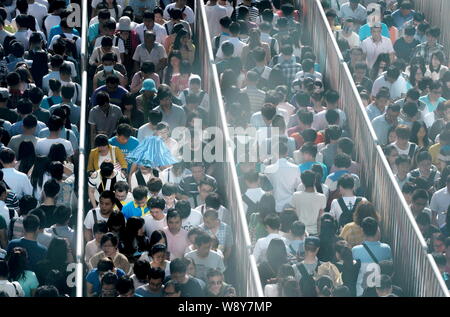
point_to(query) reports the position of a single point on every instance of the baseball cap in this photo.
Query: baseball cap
(149, 85)
(312, 241)
(4, 93)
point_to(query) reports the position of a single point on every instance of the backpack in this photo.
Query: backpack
(347, 215)
(71, 45)
(216, 45)
(252, 207)
(273, 52)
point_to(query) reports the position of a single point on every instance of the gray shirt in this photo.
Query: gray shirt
(381, 128)
(212, 261)
(74, 111)
(145, 292)
(105, 122)
(63, 135)
(175, 117)
(18, 139)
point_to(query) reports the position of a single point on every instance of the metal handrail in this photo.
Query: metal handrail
(382, 173)
(79, 260)
(238, 212)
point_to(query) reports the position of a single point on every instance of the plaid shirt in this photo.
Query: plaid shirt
(290, 68)
(425, 51)
(224, 235)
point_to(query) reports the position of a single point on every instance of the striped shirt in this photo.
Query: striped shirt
(253, 12)
(256, 98)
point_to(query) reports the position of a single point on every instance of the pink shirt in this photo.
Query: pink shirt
(177, 244)
(138, 79)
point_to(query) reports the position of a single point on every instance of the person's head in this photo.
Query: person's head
(46, 291)
(149, 19)
(155, 279)
(51, 188)
(298, 229)
(100, 229)
(392, 74)
(108, 284)
(424, 160)
(382, 98)
(109, 244)
(158, 253)
(154, 186)
(178, 270)
(276, 253)
(346, 184)
(156, 205)
(342, 161)
(106, 200)
(312, 245)
(438, 243)
(369, 226)
(62, 215)
(309, 152)
(308, 179)
(403, 164)
(125, 286)
(419, 200)
(203, 243)
(272, 223)
(121, 189)
(423, 220)
(31, 224)
(135, 227)
(140, 194)
(215, 279)
(7, 156)
(392, 112)
(173, 221)
(403, 132)
(102, 99)
(107, 169)
(375, 31)
(364, 210)
(211, 218)
(432, 35)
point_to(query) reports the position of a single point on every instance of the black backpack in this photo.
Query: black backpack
(252, 207)
(347, 215)
(71, 45)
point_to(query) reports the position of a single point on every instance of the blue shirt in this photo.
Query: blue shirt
(400, 20)
(57, 30)
(364, 31)
(127, 147)
(93, 31)
(431, 106)
(45, 104)
(115, 97)
(17, 128)
(373, 111)
(36, 251)
(133, 210)
(93, 277)
(381, 128)
(308, 165)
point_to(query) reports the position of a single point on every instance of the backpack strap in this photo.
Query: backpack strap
(140, 178)
(412, 150)
(67, 134)
(374, 258)
(94, 214)
(50, 102)
(251, 206)
(11, 228)
(54, 232)
(167, 28)
(343, 205)
(15, 288)
(302, 269)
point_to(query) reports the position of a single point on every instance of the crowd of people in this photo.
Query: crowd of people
(155, 222)
(401, 72)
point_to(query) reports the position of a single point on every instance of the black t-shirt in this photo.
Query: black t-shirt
(405, 50)
(8, 115)
(42, 115)
(49, 214)
(192, 288)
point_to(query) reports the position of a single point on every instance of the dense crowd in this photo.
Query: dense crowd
(155, 222)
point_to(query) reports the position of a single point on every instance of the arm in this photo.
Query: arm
(88, 236)
(93, 133)
(3, 239)
(90, 290)
(91, 166)
(94, 84)
(121, 158)
(91, 193)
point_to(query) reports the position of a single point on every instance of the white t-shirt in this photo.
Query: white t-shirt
(400, 151)
(335, 209)
(90, 250)
(96, 179)
(89, 220)
(188, 14)
(43, 146)
(214, 14)
(13, 290)
(151, 224)
(120, 44)
(307, 206)
(195, 219)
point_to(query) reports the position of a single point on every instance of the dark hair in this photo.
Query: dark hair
(156, 236)
(154, 185)
(62, 214)
(46, 291)
(141, 269)
(109, 237)
(124, 285)
(17, 263)
(156, 202)
(31, 223)
(369, 226)
(140, 192)
(287, 218)
(272, 221)
(178, 266)
(26, 155)
(276, 254)
(57, 252)
(308, 178)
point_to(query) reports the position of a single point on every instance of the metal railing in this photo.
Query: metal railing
(436, 13)
(415, 270)
(247, 281)
(79, 258)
